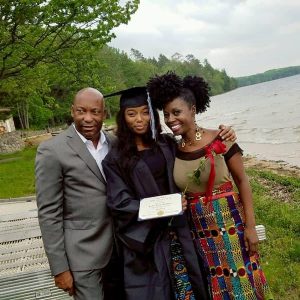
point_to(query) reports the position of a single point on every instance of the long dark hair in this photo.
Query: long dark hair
(127, 148)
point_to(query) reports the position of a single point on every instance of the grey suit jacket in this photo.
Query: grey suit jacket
(71, 199)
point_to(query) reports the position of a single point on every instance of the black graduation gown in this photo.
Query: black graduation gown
(145, 244)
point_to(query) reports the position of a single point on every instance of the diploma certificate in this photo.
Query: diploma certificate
(160, 206)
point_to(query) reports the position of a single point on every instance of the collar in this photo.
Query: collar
(102, 140)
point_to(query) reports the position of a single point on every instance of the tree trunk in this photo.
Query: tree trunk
(23, 114)
(20, 116)
(26, 115)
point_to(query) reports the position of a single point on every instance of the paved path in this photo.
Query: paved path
(18, 220)
(24, 268)
(12, 208)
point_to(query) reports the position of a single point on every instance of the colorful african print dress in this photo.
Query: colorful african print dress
(217, 224)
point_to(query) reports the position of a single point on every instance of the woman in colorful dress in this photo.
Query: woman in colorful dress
(160, 261)
(221, 220)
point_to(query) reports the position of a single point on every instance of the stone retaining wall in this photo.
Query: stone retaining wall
(11, 142)
(27, 134)
(31, 133)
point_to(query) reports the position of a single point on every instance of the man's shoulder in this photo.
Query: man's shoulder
(55, 141)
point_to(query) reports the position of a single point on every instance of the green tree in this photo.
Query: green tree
(34, 31)
(28, 97)
(101, 68)
(45, 39)
(162, 60)
(268, 75)
(136, 54)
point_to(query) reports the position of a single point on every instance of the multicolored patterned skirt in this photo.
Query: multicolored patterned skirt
(218, 233)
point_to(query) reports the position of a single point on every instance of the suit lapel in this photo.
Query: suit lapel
(80, 148)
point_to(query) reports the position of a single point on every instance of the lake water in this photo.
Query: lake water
(265, 116)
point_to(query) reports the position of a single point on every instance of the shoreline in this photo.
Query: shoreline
(285, 154)
(279, 167)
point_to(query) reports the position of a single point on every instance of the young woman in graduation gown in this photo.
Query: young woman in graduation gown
(160, 261)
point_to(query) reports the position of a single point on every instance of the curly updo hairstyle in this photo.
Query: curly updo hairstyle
(192, 89)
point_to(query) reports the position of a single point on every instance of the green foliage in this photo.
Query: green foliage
(28, 96)
(219, 81)
(268, 75)
(41, 30)
(51, 49)
(136, 72)
(46, 45)
(280, 253)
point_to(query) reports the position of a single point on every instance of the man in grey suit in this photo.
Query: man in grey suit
(71, 198)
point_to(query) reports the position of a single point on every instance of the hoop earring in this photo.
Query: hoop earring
(183, 143)
(198, 134)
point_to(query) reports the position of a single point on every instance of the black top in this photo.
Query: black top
(157, 164)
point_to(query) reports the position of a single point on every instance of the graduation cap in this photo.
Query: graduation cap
(134, 97)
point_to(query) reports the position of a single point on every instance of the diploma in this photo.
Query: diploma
(160, 206)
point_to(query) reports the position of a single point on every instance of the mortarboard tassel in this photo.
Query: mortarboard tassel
(152, 121)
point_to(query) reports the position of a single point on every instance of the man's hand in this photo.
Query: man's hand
(227, 133)
(65, 282)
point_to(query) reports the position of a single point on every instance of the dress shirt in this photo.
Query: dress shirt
(98, 153)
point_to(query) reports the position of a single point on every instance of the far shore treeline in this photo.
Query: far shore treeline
(51, 49)
(268, 76)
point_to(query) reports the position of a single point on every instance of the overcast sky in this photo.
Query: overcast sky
(242, 36)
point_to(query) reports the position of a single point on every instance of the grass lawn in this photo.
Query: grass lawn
(277, 206)
(17, 173)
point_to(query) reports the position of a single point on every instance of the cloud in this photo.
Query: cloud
(242, 36)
